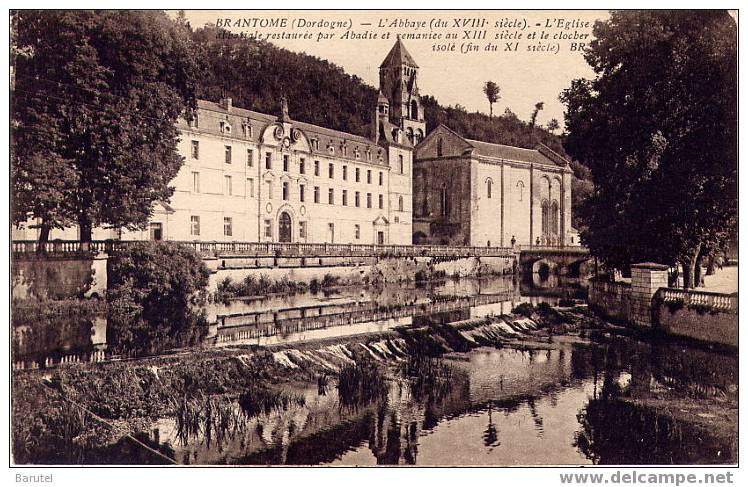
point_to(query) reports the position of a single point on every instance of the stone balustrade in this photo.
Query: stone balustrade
(709, 300)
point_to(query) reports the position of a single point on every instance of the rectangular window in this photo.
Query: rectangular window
(358, 199)
(227, 227)
(302, 229)
(270, 189)
(381, 178)
(156, 231)
(345, 173)
(195, 182)
(269, 228)
(250, 158)
(358, 175)
(302, 166)
(331, 196)
(285, 191)
(368, 200)
(357, 231)
(401, 164)
(268, 160)
(195, 149)
(368, 176)
(316, 194)
(251, 187)
(316, 168)
(301, 193)
(227, 185)
(345, 197)
(195, 225)
(381, 201)
(228, 154)
(330, 171)
(285, 162)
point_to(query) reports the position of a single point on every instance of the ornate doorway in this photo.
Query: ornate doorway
(284, 227)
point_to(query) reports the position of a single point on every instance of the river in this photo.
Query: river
(565, 401)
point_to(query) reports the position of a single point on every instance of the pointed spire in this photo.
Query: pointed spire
(398, 56)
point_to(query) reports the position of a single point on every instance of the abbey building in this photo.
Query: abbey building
(250, 176)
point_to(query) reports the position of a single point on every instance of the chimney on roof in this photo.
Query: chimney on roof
(226, 104)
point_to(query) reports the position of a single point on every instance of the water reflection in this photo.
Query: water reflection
(305, 316)
(573, 404)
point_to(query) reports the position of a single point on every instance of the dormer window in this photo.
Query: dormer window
(331, 149)
(247, 129)
(357, 154)
(225, 127)
(368, 154)
(193, 123)
(344, 149)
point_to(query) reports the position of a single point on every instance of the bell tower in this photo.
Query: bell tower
(398, 82)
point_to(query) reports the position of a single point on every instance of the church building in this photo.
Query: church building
(257, 177)
(469, 192)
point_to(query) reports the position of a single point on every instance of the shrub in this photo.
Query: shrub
(524, 309)
(155, 294)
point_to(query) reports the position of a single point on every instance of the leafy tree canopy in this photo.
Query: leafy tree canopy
(95, 101)
(658, 129)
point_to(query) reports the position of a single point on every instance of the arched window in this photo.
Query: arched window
(554, 218)
(520, 190)
(400, 204)
(545, 211)
(414, 110)
(419, 136)
(444, 201)
(409, 134)
(489, 187)
(439, 147)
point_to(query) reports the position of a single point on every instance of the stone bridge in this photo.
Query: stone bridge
(572, 261)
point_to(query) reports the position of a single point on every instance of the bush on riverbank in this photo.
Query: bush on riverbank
(227, 289)
(155, 294)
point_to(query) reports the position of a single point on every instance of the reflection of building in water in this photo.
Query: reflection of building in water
(59, 340)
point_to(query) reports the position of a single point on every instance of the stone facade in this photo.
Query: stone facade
(646, 279)
(250, 176)
(469, 192)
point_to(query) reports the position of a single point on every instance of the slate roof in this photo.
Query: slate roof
(509, 152)
(398, 55)
(325, 135)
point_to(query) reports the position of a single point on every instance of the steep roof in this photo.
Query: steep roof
(398, 55)
(308, 127)
(324, 134)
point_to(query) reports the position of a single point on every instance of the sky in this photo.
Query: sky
(453, 78)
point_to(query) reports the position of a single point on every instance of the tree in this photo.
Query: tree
(534, 117)
(658, 129)
(95, 102)
(491, 91)
(553, 125)
(156, 296)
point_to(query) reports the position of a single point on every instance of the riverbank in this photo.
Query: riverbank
(51, 424)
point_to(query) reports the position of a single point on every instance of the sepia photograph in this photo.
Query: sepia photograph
(430, 238)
